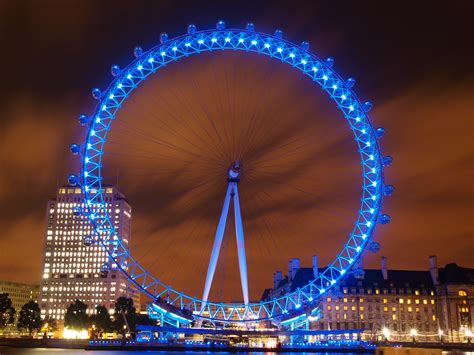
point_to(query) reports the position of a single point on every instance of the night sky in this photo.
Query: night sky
(413, 60)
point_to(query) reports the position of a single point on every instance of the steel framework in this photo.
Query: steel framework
(297, 57)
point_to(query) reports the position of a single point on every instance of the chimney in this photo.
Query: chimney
(315, 266)
(434, 269)
(277, 277)
(290, 267)
(295, 265)
(384, 268)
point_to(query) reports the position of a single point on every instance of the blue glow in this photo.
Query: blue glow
(329, 81)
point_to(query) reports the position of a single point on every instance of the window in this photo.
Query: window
(385, 300)
(462, 293)
(401, 301)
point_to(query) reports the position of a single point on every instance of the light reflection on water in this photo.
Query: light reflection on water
(42, 351)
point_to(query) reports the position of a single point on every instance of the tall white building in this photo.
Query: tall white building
(74, 270)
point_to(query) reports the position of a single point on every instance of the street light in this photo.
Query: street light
(386, 333)
(468, 334)
(440, 334)
(413, 334)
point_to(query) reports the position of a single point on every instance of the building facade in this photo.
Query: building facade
(399, 305)
(75, 266)
(19, 294)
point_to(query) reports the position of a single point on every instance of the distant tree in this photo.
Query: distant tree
(30, 317)
(7, 311)
(76, 316)
(125, 315)
(101, 321)
(49, 325)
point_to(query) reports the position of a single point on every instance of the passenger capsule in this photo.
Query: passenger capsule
(137, 51)
(367, 106)
(387, 160)
(385, 218)
(220, 25)
(350, 82)
(77, 211)
(105, 268)
(374, 247)
(388, 190)
(250, 27)
(379, 132)
(73, 179)
(87, 241)
(115, 70)
(164, 38)
(75, 148)
(96, 93)
(83, 119)
(330, 62)
(304, 46)
(192, 29)
(278, 34)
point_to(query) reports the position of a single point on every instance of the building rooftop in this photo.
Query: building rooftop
(454, 274)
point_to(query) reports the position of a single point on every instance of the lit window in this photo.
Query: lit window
(385, 300)
(394, 316)
(410, 309)
(462, 293)
(385, 309)
(402, 300)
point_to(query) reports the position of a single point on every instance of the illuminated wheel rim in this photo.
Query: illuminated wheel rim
(299, 58)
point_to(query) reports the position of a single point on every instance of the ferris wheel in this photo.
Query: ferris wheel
(174, 304)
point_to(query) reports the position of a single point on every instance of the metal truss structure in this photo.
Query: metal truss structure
(298, 57)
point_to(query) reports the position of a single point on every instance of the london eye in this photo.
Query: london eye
(233, 164)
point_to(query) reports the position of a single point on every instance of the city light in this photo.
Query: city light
(75, 334)
(386, 332)
(413, 332)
